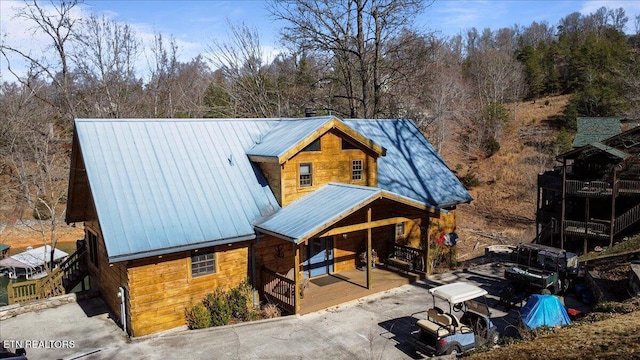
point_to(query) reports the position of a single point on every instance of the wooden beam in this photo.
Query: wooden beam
(564, 202)
(427, 246)
(369, 249)
(296, 277)
(363, 226)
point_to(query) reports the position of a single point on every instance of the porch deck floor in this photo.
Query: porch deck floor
(330, 290)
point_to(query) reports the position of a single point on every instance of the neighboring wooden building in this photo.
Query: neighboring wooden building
(594, 196)
(176, 208)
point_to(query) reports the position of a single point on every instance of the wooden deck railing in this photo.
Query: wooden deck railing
(588, 188)
(51, 285)
(629, 187)
(411, 258)
(589, 229)
(627, 219)
(279, 289)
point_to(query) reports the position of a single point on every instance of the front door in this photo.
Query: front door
(319, 257)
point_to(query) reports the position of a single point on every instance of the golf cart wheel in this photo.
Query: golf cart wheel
(453, 350)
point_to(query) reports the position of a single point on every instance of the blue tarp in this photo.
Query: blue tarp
(544, 310)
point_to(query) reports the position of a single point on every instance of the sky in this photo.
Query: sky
(194, 23)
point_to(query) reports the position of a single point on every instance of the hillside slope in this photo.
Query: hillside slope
(503, 210)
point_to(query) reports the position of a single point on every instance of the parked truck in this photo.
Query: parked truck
(536, 268)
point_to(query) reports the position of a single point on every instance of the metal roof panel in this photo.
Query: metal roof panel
(318, 210)
(411, 167)
(166, 183)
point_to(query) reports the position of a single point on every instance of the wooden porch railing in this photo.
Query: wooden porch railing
(279, 289)
(407, 258)
(54, 284)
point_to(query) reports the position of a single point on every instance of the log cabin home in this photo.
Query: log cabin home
(174, 208)
(593, 197)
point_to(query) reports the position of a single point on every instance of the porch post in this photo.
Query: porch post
(614, 193)
(564, 195)
(296, 277)
(369, 248)
(427, 245)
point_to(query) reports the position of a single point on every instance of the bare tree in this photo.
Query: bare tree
(57, 22)
(354, 33)
(38, 162)
(106, 58)
(242, 64)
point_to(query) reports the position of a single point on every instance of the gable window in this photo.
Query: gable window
(346, 145)
(356, 170)
(92, 239)
(305, 175)
(314, 146)
(203, 263)
(400, 230)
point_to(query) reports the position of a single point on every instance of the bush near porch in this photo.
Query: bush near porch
(225, 307)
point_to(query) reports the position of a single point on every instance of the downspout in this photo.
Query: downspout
(123, 308)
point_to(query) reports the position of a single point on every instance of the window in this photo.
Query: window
(356, 170)
(305, 175)
(92, 239)
(314, 146)
(399, 230)
(346, 145)
(203, 263)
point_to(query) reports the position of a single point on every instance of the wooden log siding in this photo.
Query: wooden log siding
(107, 277)
(330, 164)
(160, 288)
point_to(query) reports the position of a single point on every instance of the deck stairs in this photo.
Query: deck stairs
(60, 281)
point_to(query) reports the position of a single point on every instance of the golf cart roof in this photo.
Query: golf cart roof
(457, 292)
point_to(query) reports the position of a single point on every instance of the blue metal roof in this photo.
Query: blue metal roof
(161, 186)
(322, 208)
(411, 167)
(286, 134)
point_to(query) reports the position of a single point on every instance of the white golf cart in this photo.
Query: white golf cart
(464, 326)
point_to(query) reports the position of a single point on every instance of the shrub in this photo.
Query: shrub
(470, 180)
(197, 317)
(491, 146)
(218, 305)
(241, 302)
(270, 311)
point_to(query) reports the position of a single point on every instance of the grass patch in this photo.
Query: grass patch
(621, 247)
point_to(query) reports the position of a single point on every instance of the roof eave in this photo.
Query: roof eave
(175, 249)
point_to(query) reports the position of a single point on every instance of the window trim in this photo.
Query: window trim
(203, 263)
(401, 235)
(357, 170)
(92, 242)
(310, 175)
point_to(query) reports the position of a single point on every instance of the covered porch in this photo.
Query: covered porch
(334, 289)
(310, 260)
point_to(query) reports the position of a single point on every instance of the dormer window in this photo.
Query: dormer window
(314, 146)
(305, 175)
(356, 170)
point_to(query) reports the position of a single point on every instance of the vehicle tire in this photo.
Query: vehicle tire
(453, 350)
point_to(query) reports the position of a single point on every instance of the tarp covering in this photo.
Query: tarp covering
(544, 310)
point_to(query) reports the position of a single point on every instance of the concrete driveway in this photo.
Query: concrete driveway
(375, 327)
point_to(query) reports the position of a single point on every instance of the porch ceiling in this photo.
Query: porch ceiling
(323, 208)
